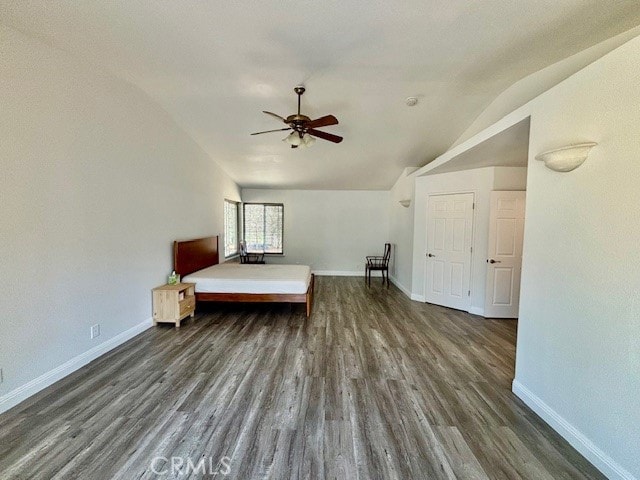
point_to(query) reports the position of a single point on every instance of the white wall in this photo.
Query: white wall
(480, 182)
(578, 352)
(401, 231)
(97, 181)
(330, 230)
(510, 178)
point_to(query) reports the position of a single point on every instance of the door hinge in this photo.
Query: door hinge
(473, 206)
(471, 249)
(469, 293)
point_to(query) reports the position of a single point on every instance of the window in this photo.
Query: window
(263, 227)
(231, 211)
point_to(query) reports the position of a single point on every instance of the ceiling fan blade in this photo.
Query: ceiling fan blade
(275, 115)
(324, 135)
(269, 131)
(322, 122)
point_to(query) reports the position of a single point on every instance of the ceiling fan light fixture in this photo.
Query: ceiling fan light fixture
(293, 139)
(308, 140)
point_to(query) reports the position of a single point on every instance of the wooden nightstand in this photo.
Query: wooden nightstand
(172, 303)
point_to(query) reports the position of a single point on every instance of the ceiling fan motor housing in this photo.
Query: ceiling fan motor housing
(297, 122)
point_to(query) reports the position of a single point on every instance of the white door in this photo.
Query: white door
(504, 258)
(449, 232)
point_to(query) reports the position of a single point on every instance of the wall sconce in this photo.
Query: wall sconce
(405, 203)
(567, 158)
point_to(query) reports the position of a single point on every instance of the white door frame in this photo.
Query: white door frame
(473, 253)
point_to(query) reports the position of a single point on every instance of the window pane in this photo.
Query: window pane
(273, 229)
(263, 227)
(230, 228)
(254, 227)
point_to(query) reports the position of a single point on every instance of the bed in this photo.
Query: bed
(197, 261)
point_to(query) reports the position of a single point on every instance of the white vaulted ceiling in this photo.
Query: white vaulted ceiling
(215, 65)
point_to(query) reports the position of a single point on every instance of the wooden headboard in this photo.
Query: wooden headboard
(192, 255)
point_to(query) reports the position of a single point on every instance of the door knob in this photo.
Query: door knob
(430, 255)
(494, 261)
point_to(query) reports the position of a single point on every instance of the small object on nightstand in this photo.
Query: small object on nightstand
(174, 278)
(172, 303)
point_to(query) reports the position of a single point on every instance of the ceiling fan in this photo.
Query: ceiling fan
(303, 129)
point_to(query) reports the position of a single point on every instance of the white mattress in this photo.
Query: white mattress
(249, 278)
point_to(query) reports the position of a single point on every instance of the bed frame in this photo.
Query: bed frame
(192, 255)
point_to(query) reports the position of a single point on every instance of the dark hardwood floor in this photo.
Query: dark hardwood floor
(372, 386)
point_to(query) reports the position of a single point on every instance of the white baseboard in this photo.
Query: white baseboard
(476, 311)
(402, 288)
(32, 387)
(339, 273)
(571, 434)
(417, 298)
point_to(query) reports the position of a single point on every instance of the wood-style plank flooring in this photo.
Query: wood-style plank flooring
(371, 386)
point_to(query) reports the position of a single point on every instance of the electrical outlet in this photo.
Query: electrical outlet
(95, 330)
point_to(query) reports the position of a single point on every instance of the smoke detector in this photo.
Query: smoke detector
(411, 101)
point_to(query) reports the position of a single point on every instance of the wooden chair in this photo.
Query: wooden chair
(378, 263)
(245, 257)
